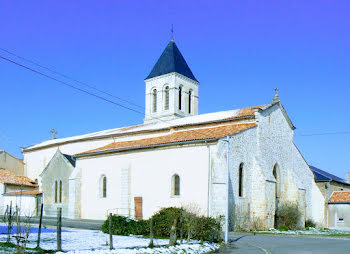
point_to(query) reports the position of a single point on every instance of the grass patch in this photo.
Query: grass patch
(12, 246)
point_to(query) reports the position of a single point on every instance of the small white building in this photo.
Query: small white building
(19, 192)
(179, 158)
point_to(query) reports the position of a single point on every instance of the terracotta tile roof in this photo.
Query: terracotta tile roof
(6, 176)
(201, 119)
(26, 192)
(248, 111)
(340, 197)
(178, 136)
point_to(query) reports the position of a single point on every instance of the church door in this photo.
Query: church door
(138, 208)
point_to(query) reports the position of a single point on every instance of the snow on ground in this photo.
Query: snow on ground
(93, 241)
(308, 231)
(183, 248)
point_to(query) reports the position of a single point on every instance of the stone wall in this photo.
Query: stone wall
(260, 149)
(59, 169)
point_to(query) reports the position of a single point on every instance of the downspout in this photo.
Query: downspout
(209, 177)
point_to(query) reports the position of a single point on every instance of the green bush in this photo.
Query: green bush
(199, 227)
(288, 216)
(125, 226)
(207, 229)
(282, 228)
(310, 223)
(164, 219)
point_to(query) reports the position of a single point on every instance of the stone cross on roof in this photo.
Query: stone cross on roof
(53, 132)
(276, 98)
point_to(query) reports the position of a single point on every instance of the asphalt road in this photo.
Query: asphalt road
(276, 244)
(69, 223)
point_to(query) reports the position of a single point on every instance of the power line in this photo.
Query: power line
(68, 77)
(71, 86)
(113, 102)
(81, 90)
(324, 134)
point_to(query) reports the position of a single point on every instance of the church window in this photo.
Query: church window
(276, 174)
(190, 101)
(175, 185)
(60, 193)
(180, 98)
(56, 191)
(240, 180)
(154, 100)
(103, 186)
(166, 98)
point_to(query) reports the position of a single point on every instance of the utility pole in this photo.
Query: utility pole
(227, 189)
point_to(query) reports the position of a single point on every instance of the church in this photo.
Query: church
(244, 158)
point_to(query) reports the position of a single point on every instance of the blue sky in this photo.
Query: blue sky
(239, 51)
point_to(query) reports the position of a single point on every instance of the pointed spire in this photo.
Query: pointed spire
(276, 98)
(170, 61)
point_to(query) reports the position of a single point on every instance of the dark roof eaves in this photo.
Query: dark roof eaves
(334, 203)
(145, 147)
(174, 72)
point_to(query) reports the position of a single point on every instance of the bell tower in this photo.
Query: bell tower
(171, 88)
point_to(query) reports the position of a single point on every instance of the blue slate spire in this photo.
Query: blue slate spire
(171, 60)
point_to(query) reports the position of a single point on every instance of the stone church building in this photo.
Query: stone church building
(178, 157)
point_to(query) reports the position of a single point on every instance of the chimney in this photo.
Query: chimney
(348, 177)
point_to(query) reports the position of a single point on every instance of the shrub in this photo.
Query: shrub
(164, 219)
(288, 216)
(207, 229)
(310, 223)
(198, 227)
(282, 228)
(125, 226)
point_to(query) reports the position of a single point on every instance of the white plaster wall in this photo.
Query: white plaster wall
(2, 206)
(150, 176)
(337, 211)
(26, 204)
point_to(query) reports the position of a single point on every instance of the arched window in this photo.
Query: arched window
(103, 186)
(175, 188)
(154, 100)
(180, 97)
(276, 174)
(60, 193)
(166, 98)
(56, 199)
(190, 102)
(240, 180)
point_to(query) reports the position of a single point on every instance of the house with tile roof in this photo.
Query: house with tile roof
(10, 162)
(11, 183)
(12, 180)
(328, 185)
(339, 210)
(244, 159)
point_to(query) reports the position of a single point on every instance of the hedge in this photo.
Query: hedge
(195, 227)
